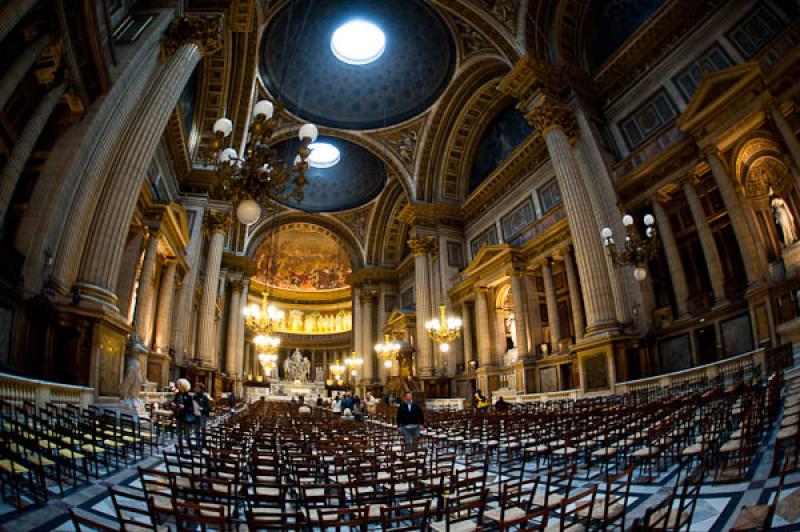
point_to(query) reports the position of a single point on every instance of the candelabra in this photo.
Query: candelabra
(262, 321)
(337, 370)
(354, 363)
(257, 174)
(636, 250)
(444, 330)
(268, 362)
(388, 349)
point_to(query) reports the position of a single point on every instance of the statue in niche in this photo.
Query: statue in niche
(338, 321)
(785, 220)
(296, 367)
(133, 380)
(309, 324)
(296, 320)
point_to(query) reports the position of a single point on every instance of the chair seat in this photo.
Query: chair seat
(537, 449)
(646, 451)
(460, 526)
(510, 514)
(565, 451)
(787, 433)
(730, 446)
(555, 526)
(614, 511)
(266, 490)
(554, 498)
(609, 451)
(89, 448)
(751, 518)
(674, 520)
(695, 448)
(69, 453)
(12, 467)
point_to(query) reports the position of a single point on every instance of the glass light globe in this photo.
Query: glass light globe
(606, 232)
(444, 348)
(627, 220)
(649, 220)
(260, 340)
(265, 108)
(453, 323)
(387, 363)
(223, 126)
(308, 131)
(248, 212)
(640, 274)
(227, 154)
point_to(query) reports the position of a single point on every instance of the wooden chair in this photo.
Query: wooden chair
(132, 509)
(413, 516)
(288, 521)
(612, 507)
(462, 511)
(89, 522)
(759, 516)
(575, 511)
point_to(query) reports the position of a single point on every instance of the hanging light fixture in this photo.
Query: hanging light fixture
(258, 174)
(388, 349)
(337, 370)
(262, 321)
(354, 362)
(637, 250)
(444, 330)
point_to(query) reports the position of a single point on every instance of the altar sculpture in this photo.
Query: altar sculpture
(296, 367)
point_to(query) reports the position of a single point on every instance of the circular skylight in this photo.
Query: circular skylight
(358, 42)
(323, 155)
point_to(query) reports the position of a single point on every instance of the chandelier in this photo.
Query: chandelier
(268, 362)
(258, 174)
(444, 330)
(354, 362)
(262, 321)
(387, 350)
(636, 250)
(337, 370)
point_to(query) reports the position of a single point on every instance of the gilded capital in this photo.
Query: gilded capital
(205, 32)
(422, 245)
(367, 296)
(517, 271)
(217, 221)
(236, 285)
(549, 114)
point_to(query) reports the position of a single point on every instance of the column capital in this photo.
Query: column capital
(367, 296)
(711, 150)
(218, 221)
(205, 32)
(236, 285)
(481, 290)
(517, 271)
(422, 245)
(549, 114)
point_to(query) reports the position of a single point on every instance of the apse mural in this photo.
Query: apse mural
(304, 259)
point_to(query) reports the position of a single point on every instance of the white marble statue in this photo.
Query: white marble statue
(296, 367)
(132, 380)
(784, 219)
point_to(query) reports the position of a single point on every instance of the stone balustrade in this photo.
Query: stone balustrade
(17, 390)
(444, 404)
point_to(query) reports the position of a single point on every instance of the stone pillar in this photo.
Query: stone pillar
(182, 321)
(357, 325)
(232, 347)
(574, 294)
(14, 75)
(754, 262)
(142, 322)
(368, 337)
(710, 251)
(788, 136)
(128, 170)
(325, 363)
(165, 297)
(483, 336)
(466, 333)
(421, 246)
(241, 348)
(23, 147)
(12, 13)
(206, 347)
(553, 319)
(520, 316)
(553, 121)
(130, 265)
(674, 263)
(534, 314)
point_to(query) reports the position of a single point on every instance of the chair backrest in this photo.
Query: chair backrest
(270, 521)
(577, 509)
(413, 516)
(341, 519)
(132, 509)
(530, 522)
(465, 506)
(83, 520)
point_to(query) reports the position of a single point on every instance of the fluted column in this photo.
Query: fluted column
(187, 40)
(14, 75)
(368, 337)
(165, 298)
(12, 13)
(707, 242)
(232, 346)
(142, 323)
(130, 265)
(534, 313)
(520, 316)
(483, 336)
(240, 328)
(676, 272)
(552, 120)
(553, 319)
(788, 136)
(754, 263)
(23, 147)
(574, 294)
(206, 348)
(466, 323)
(421, 246)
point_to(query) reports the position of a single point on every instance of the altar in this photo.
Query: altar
(295, 382)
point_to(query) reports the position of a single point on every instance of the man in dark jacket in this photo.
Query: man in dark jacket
(410, 418)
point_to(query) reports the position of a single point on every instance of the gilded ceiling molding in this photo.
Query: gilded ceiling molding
(241, 15)
(404, 139)
(430, 214)
(241, 99)
(538, 16)
(206, 32)
(469, 39)
(495, 20)
(212, 102)
(381, 220)
(569, 30)
(177, 146)
(475, 73)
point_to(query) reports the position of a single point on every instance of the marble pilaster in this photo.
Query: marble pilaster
(466, 322)
(574, 294)
(232, 340)
(788, 136)
(166, 296)
(368, 338)
(710, 252)
(206, 318)
(553, 319)
(534, 313)
(130, 266)
(142, 322)
(520, 316)
(421, 247)
(674, 263)
(482, 333)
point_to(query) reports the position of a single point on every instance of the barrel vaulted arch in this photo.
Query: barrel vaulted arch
(385, 229)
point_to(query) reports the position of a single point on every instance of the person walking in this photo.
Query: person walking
(410, 419)
(202, 410)
(183, 411)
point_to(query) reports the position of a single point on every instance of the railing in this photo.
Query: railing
(543, 397)
(741, 363)
(444, 404)
(16, 389)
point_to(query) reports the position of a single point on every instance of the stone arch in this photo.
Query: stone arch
(759, 166)
(503, 294)
(384, 228)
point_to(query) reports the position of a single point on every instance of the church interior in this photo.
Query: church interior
(450, 265)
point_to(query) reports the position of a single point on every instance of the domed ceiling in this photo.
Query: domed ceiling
(300, 69)
(357, 178)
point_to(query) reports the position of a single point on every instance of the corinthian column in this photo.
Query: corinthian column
(553, 121)
(186, 41)
(14, 75)
(421, 246)
(367, 335)
(754, 264)
(206, 349)
(673, 256)
(231, 351)
(12, 13)
(240, 333)
(520, 316)
(142, 323)
(482, 334)
(534, 313)
(553, 319)
(23, 147)
(165, 298)
(574, 294)
(710, 251)
(787, 134)
(466, 323)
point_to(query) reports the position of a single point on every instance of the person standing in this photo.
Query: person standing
(203, 409)
(410, 419)
(183, 411)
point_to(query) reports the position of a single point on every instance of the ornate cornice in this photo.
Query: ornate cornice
(371, 276)
(549, 114)
(239, 263)
(218, 221)
(205, 32)
(430, 214)
(422, 245)
(531, 75)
